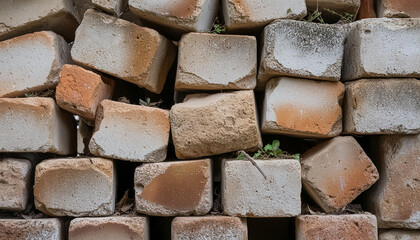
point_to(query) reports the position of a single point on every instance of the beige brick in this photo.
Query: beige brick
(47, 228)
(398, 234)
(303, 108)
(336, 171)
(123, 49)
(342, 7)
(36, 125)
(398, 8)
(205, 125)
(80, 91)
(31, 62)
(130, 132)
(230, 62)
(174, 188)
(209, 227)
(75, 187)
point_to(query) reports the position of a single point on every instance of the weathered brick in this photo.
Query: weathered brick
(367, 9)
(345, 227)
(31, 62)
(130, 132)
(341, 7)
(249, 14)
(123, 49)
(174, 188)
(382, 106)
(230, 62)
(121, 227)
(80, 91)
(301, 49)
(47, 228)
(15, 176)
(35, 125)
(336, 171)
(398, 8)
(398, 234)
(209, 227)
(75, 187)
(302, 107)
(380, 47)
(246, 193)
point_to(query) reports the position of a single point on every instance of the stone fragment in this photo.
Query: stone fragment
(36, 125)
(46, 228)
(15, 178)
(336, 171)
(209, 227)
(174, 188)
(130, 132)
(246, 193)
(398, 234)
(123, 49)
(226, 122)
(84, 134)
(230, 62)
(75, 187)
(382, 106)
(381, 47)
(367, 9)
(31, 62)
(345, 227)
(398, 8)
(303, 108)
(109, 228)
(326, 7)
(111, 6)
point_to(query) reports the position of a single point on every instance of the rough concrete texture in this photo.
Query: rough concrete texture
(174, 188)
(336, 171)
(344, 227)
(398, 234)
(395, 199)
(31, 62)
(230, 62)
(398, 8)
(225, 122)
(31, 229)
(382, 106)
(367, 9)
(36, 125)
(246, 193)
(301, 49)
(109, 228)
(15, 177)
(75, 187)
(80, 91)
(130, 132)
(250, 14)
(339, 6)
(111, 6)
(303, 108)
(382, 47)
(123, 49)
(209, 228)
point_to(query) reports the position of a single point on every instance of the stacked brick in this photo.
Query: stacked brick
(73, 138)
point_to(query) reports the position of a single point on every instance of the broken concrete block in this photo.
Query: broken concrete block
(336, 171)
(381, 47)
(104, 228)
(36, 125)
(130, 132)
(75, 187)
(355, 226)
(31, 62)
(303, 108)
(398, 234)
(209, 227)
(230, 62)
(367, 9)
(301, 49)
(226, 122)
(326, 7)
(398, 8)
(46, 228)
(382, 106)
(174, 188)
(246, 193)
(15, 178)
(123, 49)
(80, 91)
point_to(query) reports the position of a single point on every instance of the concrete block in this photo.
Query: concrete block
(46, 228)
(398, 8)
(398, 234)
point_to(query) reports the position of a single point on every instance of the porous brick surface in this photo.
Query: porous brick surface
(75, 187)
(398, 234)
(130, 132)
(47, 228)
(35, 125)
(336, 171)
(339, 6)
(31, 62)
(230, 60)
(302, 107)
(398, 8)
(174, 188)
(246, 193)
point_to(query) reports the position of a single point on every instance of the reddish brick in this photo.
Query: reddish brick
(367, 9)
(398, 8)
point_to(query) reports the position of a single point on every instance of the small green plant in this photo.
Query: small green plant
(289, 10)
(315, 16)
(217, 27)
(344, 18)
(271, 151)
(148, 103)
